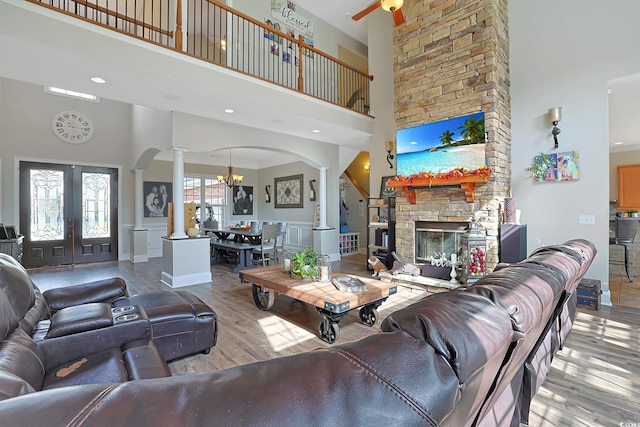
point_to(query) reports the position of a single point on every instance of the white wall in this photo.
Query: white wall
(382, 98)
(26, 134)
(563, 54)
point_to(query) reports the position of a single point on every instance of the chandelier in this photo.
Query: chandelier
(231, 179)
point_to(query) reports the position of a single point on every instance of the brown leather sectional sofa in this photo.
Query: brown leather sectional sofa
(474, 356)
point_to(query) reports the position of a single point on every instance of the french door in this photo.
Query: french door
(68, 214)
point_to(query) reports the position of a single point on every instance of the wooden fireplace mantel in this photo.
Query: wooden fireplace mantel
(466, 183)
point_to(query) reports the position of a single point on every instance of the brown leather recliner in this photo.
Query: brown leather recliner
(182, 324)
(115, 354)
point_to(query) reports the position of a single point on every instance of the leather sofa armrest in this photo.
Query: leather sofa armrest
(106, 290)
(73, 320)
(125, 329)
(144, 361)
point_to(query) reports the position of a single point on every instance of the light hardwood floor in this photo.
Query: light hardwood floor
(594, 380)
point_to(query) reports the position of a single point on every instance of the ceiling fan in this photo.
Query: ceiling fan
(392, 6)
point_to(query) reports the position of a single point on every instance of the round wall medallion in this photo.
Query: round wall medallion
(72, 127)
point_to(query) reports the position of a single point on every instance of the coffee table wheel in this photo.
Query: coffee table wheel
(264, 299)
(368, 315)
(329, 331)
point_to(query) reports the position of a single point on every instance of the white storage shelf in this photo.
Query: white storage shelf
(349, 243)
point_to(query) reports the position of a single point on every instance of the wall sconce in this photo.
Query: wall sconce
(267, 196)
(555, 115)
(312, 191)
(366, 168)
(389, 147)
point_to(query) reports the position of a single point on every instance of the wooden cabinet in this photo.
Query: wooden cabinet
(12, 247)
(628, 188)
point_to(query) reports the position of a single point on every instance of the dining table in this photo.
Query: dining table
(240, 241)
(250, 235)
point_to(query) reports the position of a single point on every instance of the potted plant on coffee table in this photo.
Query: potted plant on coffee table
(304, 264)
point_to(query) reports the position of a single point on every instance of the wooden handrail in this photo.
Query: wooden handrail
(300, 43)
(356, 184)
(121, 16)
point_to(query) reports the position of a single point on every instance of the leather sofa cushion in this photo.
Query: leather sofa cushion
(525, 291)
(36, 313)
(104, 367)
(80, 318)
(106, 290)
(469, 332)
(16, 284)
(8, 319)
(21, 363)
(462, 335)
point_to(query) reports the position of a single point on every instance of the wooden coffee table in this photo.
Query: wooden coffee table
(331, 303)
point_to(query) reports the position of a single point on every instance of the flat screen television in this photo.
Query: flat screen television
(441, 147)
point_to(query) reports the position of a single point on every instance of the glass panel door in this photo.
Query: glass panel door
(96, 204)
(68, 214)
(45, 214)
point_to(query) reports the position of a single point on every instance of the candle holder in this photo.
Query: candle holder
(474, 252)
(286, 260)
(454, 273)
(324, 268)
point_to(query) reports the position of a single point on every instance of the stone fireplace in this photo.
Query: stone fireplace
(456, 65)
(443, 215)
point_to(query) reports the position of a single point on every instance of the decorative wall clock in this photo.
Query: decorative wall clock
(288, 192)
(72, 127)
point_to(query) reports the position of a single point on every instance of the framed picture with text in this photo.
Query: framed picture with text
(385, 190)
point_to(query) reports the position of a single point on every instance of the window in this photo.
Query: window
(71, 94)
(209, 195)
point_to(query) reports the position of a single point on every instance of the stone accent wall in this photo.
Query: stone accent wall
(452, 59)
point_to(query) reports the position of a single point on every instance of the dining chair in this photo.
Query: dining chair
(282, 233)
(624, 235)
(266, 253)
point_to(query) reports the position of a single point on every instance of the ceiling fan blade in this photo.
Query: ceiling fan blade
(373, 6)
(398, 17)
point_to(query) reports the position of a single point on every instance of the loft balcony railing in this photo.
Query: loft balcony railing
(216, 33)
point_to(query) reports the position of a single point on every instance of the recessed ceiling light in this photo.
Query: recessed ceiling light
(618, 143)
(228, 111)
(316, 131)
(98, 80)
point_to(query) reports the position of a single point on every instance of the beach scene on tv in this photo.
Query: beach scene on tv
(442, 146)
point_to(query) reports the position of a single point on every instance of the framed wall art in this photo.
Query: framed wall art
(288, 192)
(242, 200)
(555, 167)
(157, 196)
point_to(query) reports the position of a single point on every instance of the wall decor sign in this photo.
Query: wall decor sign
(386, 190)
(157, 196)
(281, 11)
(288, 192)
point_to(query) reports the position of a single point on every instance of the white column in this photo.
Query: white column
(323, 198)
(178, 194)
(139, 200)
